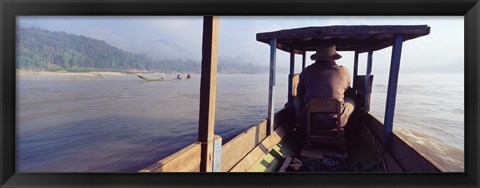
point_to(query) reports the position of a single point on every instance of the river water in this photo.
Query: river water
(123, 124)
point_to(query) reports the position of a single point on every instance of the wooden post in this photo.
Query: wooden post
(367, 81)
(304, 55)
(271, 86)
(217, 154)
(355, 69)
(290, 77)
(208, 84)
(392, 89)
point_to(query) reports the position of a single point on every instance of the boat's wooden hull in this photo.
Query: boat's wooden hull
(255, 151)
(241, 154)
(399, 157)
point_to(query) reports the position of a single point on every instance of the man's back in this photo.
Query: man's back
(323, 80)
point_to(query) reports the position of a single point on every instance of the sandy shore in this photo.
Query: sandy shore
(68, 74)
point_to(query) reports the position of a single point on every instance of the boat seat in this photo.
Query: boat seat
(329, 136)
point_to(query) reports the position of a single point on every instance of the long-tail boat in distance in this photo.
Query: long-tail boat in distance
(148, 78)
(270, 145)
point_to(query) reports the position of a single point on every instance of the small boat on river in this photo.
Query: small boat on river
(274, 144)
(146, 78)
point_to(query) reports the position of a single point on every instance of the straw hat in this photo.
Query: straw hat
(327, 52)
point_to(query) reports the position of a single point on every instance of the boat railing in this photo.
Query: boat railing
(236, 149)
(237, 155)
(185, 160)
(405, 156)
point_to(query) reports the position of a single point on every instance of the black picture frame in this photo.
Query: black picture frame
(470, 9)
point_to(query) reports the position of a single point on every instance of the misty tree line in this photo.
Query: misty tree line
(40, 49)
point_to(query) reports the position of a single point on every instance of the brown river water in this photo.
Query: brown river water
(123, 124)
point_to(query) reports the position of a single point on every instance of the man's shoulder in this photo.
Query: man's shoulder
(342, 67)
(307, 70)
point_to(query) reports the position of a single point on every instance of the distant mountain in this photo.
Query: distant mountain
(159, 49)
(40, 49)
(234, 65)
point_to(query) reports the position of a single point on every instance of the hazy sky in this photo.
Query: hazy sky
(163, 37)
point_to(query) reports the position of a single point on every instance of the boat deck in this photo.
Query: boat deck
(361, 156)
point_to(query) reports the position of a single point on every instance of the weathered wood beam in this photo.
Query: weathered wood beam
(409, 159)
(234, 150)
(361, 45)
(285, 164)
(418, 30)
(368, 86)
(185, 160)
(208, 84)
(290, 78)
(304, 56)
(261, 150)
(355, 68)
(217, 154)
(401, 156)
(288, 48)
(392, 89)
(271, 85)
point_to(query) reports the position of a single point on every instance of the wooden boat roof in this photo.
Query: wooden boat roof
(359, 38)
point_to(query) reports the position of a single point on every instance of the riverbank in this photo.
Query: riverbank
(83, 73)
(22, 72)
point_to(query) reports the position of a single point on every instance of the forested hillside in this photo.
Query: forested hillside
(40, 49)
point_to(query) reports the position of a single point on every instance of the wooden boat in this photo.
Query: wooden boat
(272, 143)
(159, 79)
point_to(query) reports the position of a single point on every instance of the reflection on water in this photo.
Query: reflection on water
(123, 124)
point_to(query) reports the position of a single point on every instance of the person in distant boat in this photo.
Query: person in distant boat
(179, 77)
(324, 79)
(188, 76)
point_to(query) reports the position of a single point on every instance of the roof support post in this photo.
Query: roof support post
(355, 69)
(271, 86)
(304, 55)
(368, 87)
(208, 84)
(392, 89)
(290, 77)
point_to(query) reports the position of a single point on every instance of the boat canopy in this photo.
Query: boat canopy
(359, 38)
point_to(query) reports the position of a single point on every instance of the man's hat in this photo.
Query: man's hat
(327, 52)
